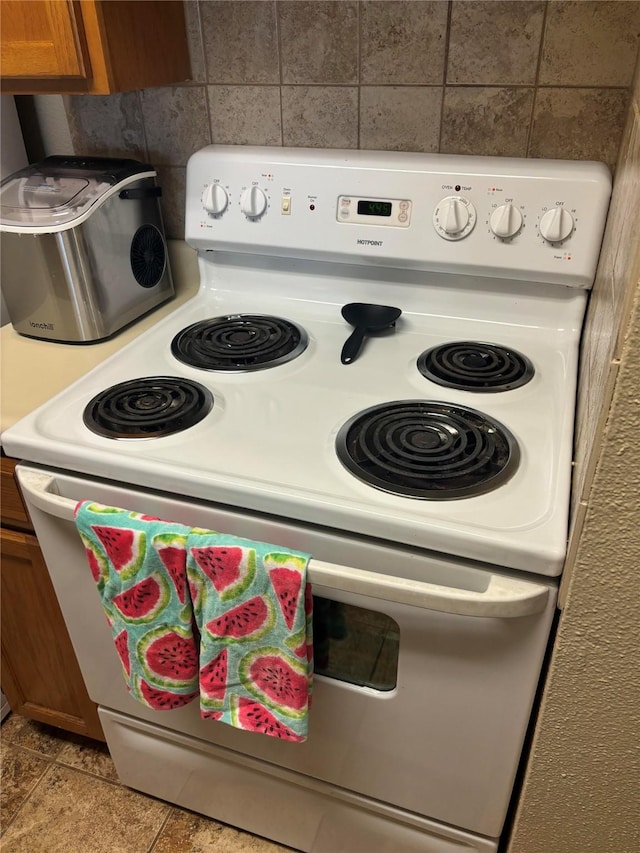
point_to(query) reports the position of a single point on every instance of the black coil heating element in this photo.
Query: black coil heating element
(147, 408)
(239, 342)
(427, 450)
(475, 366)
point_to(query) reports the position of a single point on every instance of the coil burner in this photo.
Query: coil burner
(239, 342)
(147, 408)
(428, 450)
(475, 366)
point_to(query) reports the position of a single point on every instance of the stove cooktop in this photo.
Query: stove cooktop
(415, 449)
(268, 440)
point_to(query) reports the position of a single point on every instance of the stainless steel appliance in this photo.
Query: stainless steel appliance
(83, 247)
(428, 478)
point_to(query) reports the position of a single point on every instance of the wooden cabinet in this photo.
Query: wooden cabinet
(91, 46)
(40, 674)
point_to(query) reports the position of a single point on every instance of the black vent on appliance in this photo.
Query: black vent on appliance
(239, 342)
(147, 408)
(148, 256)
(428, 450)
(475, 366)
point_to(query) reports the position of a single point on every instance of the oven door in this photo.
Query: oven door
(428, 666)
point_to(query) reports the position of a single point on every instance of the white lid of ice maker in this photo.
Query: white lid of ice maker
(59, 192)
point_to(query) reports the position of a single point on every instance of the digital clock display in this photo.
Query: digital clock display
(374, 208)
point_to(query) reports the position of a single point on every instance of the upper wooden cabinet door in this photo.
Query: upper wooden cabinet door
(43, 37)
(93, 47)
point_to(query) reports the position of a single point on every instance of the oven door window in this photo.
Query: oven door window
(355, 645)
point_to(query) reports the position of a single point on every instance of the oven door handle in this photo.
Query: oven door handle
(502, 597)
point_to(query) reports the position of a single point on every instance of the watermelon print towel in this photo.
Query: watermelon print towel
(253, 609)
(195, 612)
(138, 564)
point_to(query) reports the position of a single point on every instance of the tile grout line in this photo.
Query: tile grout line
(30, 751)
(139, 98)
(536, 82)
(206, 84)
(55, 759)
(161, 829)
(48, 764)
(445, 63)
(311, 85)
(116, 782)
(358, 75)
(276, 12)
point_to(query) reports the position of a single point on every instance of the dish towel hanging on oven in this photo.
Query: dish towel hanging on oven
(139, 565)
(195, 612)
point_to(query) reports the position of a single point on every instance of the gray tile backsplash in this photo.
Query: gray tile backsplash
(400, 118)
(494, 119)
(176, 122)
(577, 124)
(108, 125)
(536, 79)
(590, 43)
(240, 41)
(495, 43)
(245, 115)
(403, 43)
(318, 42)
(320, 116)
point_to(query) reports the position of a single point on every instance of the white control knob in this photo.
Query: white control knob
(215, 199)
(505, 221)
(556, 224)
(253, 202)
(454, 217)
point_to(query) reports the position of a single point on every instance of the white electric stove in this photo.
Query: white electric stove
(434, 466)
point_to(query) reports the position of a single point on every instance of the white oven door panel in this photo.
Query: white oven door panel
(444, 743)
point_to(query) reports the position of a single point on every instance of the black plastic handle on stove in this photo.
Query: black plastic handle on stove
(141, 192)
(365, 318)
(353, 345)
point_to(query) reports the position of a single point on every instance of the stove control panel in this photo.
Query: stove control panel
(536, 220)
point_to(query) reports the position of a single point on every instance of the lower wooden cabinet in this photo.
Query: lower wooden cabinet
(40, 675)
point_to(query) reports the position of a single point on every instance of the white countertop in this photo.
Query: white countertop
(33, 371)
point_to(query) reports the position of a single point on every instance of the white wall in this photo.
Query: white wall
(53, 124)
(12, 153)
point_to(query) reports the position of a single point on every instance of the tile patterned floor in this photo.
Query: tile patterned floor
(59, 793)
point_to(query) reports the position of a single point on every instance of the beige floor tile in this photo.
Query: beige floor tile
(11, 727)
(89, 755)
(47, 740)
(186, 832)
(69, 812)
(20, 772)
